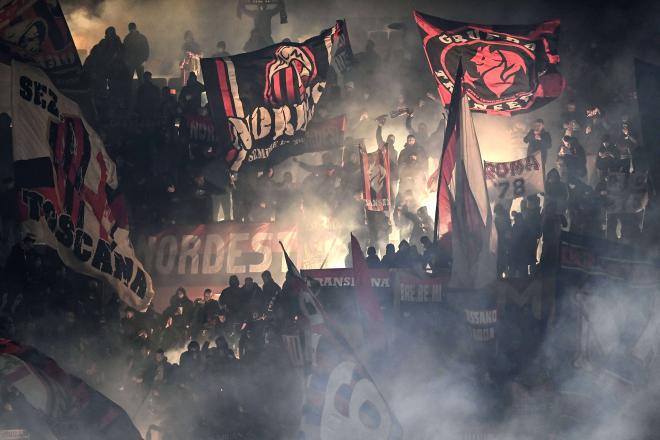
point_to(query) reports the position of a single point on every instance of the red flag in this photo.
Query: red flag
(376, 179)
(462, 201)
(372, 314)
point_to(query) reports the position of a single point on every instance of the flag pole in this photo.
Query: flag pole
(451, 118)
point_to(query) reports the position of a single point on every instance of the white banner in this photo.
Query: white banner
(518, 178)
(67, 185)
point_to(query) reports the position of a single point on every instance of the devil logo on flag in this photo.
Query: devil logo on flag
(508, 69)
(497, 69)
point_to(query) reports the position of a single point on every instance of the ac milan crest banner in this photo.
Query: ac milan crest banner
(508, 69)
(67, 187)
(36, 31)
(262, 102)
(518, 178)
(376, 179)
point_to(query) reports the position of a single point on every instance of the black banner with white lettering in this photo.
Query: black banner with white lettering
(508, 69)
(262, 102)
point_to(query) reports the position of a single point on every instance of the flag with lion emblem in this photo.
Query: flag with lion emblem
(508, 69)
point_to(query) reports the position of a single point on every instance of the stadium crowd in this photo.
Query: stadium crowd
(165, 174)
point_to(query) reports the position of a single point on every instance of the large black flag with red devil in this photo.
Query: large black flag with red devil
(263, 101)
(508, 69)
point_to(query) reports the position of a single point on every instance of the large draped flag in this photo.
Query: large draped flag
(68, 195)
(263, 101)
(508, 69)
(63, 403)
(376, 179)
(36, 32)
(341, 399)
(463, 206)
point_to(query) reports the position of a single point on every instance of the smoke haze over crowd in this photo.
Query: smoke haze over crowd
(576, 362)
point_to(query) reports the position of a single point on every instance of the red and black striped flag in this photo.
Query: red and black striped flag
(376, 179)
(262, 102)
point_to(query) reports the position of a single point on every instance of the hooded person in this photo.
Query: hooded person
(180, 301)
(271, 290)
(389, 259)
(230, 298)
(555, 191)
(373, 262)
(252, 293)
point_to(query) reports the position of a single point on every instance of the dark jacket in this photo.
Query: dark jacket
(136, 49)
(533, 145)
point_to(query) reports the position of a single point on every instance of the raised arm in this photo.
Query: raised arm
(379, 136)
(409, 126)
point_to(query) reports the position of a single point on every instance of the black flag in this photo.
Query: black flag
(508, 69)
(263, 101)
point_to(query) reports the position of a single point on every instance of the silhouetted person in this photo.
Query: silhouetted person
(190, 98)
(181, 303)
(261, 34)
(136, 51)
(271, 290)
(147, 99)
(208, 308)
(99, 65)
(16, 266)
(231, 298)
(192, 53)
(254, 296)
(221, 50)
(373, 262)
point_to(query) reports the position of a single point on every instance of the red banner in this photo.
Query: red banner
(376, 179)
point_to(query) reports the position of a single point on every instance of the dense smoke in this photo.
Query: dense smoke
(432, 389)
